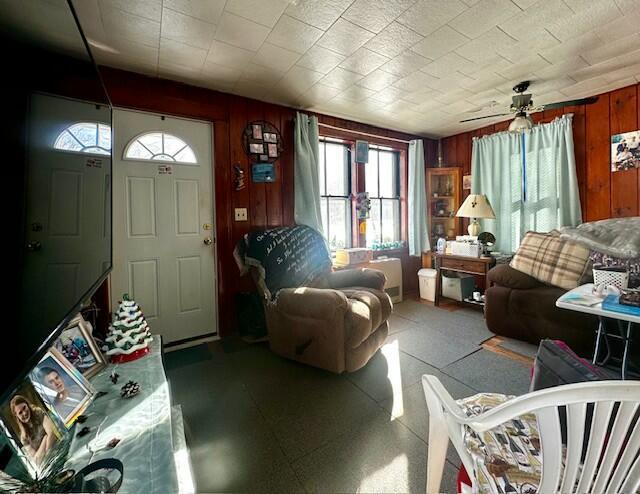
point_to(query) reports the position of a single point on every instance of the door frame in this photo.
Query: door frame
(196, 340)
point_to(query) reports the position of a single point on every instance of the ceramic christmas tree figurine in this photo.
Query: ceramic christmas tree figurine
(129, 336)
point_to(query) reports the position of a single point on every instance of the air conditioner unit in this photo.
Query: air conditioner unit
(392, 268)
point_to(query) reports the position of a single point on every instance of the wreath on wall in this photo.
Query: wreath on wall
(262, 142)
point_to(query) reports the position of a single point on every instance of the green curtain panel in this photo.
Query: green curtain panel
(306, 172)
(418, 231)
(530, 180)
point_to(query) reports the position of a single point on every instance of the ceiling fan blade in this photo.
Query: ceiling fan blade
(486, 116)
(573, 102)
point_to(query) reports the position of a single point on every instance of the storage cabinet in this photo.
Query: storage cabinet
(444, 193)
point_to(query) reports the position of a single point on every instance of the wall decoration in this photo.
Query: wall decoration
(625, 151)
(363, 205)
(263, 172)
(362, 152)
(270, 137)
(239, 180)
(466, 182)
(61, 386)
(262, 142)
(76, 343)
(33, 430)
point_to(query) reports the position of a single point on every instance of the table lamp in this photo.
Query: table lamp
(476, 206)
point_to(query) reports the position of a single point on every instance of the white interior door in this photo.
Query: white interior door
(68, 226)
(163, 222)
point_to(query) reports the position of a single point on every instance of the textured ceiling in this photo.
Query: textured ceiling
(417, 66)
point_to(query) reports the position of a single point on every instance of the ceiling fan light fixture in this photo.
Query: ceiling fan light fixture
(521, 123)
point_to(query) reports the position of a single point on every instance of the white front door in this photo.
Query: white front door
(163, 222)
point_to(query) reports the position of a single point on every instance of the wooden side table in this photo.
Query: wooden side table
(477, 266)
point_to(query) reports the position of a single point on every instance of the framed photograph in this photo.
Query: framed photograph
(256, 131)
(625, 151)
(78, 346)
(33, 430)
(270, 137)
(272, 150)
(362, 152)
(61, 386)
(256, 147)
(264, 157)
(466, 182)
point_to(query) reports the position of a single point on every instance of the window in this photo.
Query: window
(158, 146)
(85, 137)
(335, 188)
(382, 182)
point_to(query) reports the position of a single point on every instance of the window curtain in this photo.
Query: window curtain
(530, 180)
(306, 172)
(418, 232)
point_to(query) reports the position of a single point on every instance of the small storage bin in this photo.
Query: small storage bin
(427, 283)
(457, 286)
(611, 275)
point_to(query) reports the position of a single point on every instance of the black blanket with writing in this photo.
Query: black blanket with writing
(287, 257)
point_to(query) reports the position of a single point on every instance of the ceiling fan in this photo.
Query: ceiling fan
(522, 105)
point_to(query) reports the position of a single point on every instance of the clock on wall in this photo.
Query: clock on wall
(262, 142)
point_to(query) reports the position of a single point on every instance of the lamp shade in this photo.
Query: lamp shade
(521, 123)
(476, 206)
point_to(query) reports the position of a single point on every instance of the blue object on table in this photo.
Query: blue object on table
(611, 303)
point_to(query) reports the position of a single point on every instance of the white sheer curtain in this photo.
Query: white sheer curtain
(418, 232)
(306, 172)
(530, 180)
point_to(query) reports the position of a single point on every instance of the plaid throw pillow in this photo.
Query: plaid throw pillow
(550, 259)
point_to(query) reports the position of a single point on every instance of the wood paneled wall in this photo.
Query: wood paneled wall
(269, 204)
(603, 194)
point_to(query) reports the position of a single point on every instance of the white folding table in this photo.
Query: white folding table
(565, 302)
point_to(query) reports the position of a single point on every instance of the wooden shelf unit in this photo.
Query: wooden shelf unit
(444, 193)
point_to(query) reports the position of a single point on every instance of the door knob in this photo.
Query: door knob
(34, 246)
(208, 241)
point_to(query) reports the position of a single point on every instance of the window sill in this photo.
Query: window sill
(398, 251)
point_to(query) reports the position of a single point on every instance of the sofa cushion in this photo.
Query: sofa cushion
(368, 309)
(550, 259)
(508, 454)
(505, 275)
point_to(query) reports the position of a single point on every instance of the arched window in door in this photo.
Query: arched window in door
(85, 137)
(159, 146)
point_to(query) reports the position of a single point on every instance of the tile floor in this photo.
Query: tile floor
(260, 423)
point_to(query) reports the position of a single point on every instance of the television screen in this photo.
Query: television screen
(58, 163)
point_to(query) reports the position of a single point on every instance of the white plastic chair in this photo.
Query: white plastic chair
(612, 476)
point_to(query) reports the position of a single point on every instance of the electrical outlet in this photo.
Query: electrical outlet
(241, 214)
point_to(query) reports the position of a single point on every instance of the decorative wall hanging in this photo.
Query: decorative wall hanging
(363, 205)
(239, 180)
(466, 182)
(263, 172)
(362, 152)
(625, 151)
(262, 142)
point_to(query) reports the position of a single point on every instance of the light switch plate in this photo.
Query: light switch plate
(241, 214)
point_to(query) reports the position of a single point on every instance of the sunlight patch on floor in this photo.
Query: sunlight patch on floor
(392, 477)
(391, 352)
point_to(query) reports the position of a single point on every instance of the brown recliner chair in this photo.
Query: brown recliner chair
(519, 306)
(337, 321)
(336, 325)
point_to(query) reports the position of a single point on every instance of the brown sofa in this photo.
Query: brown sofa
(519, 306)
(338, 324)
